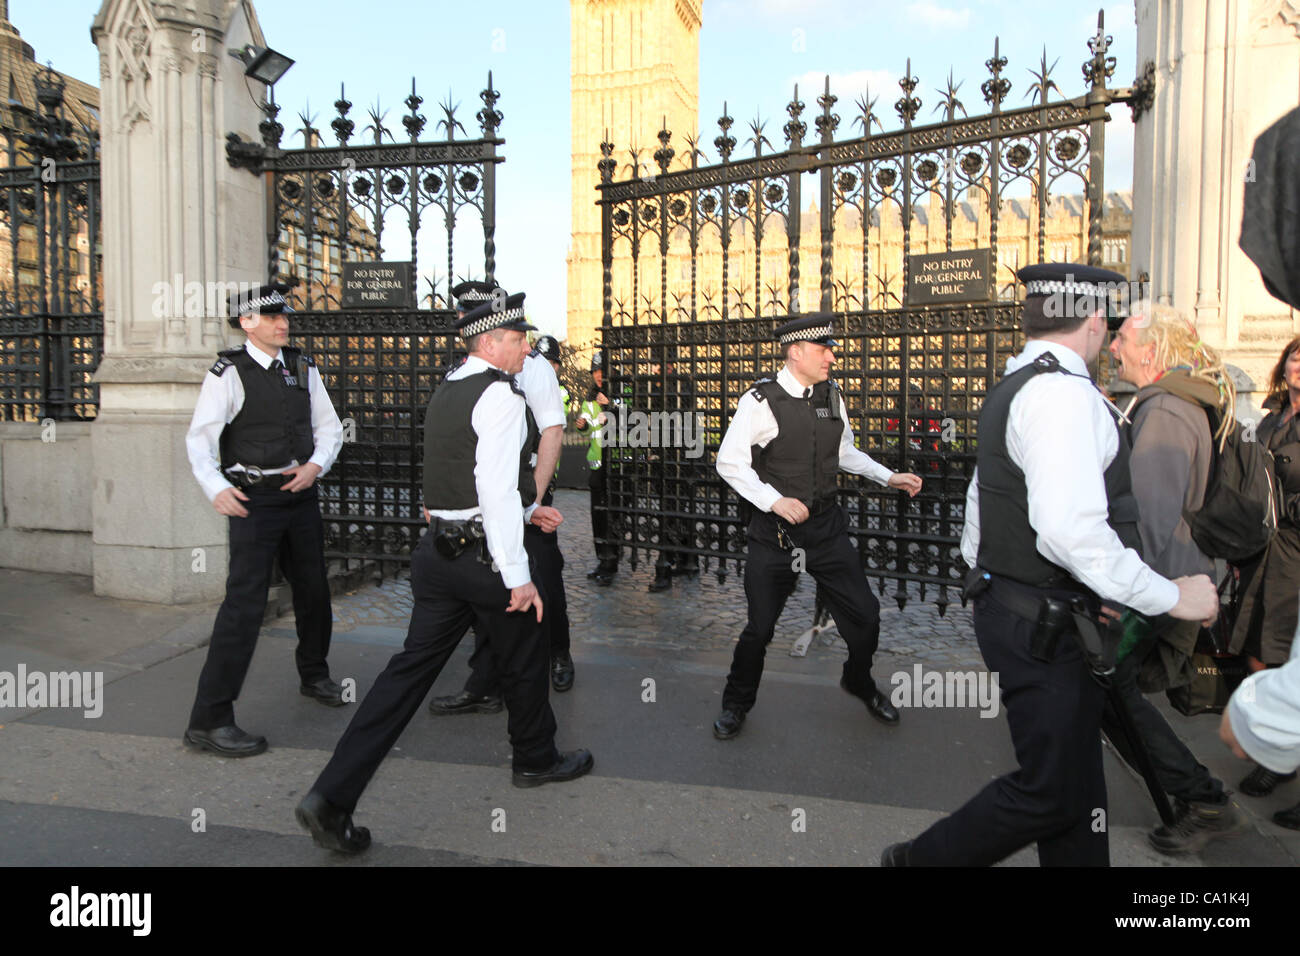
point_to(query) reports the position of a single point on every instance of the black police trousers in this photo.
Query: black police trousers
(280, 524)
(1057, 797)
(544, 552)
(600, 519)
(826, 553)
(449, 595)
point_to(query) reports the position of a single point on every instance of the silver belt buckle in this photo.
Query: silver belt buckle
(254, 474)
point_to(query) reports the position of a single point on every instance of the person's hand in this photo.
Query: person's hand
(791, 509)
(1229, 738)
(600, 398)
(524, 597)
(304, 476)
(906, 481)
(546, 518)
(1198, 599)
(228, 503)
(428, 515)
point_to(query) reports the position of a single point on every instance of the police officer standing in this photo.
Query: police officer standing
(1051, 535)
(594, 415)
(471, 567)
(542, 392)
(263, 431)
(786, 443)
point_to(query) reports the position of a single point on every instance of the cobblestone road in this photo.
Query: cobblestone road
(698, 614)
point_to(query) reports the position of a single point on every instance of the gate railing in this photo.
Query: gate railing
(699, 264)
(51, 316)
(380, 200)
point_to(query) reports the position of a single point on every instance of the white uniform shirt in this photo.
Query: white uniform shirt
(502, 428)
(754, 424)
(1265, 715)
(542, 392)
(1062, 436)
(220, 399)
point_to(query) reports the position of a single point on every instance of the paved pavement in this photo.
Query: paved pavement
(810, 780)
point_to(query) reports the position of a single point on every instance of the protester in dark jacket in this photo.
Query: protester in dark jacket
(1270, 604)
(1179, 379)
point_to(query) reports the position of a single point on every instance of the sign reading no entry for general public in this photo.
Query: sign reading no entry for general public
(384, 285)
(940, 278)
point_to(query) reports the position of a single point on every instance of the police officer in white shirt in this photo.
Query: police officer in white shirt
(1051, 536)
(263, 431)
(789, 438)
(470, 567)
(541, 388)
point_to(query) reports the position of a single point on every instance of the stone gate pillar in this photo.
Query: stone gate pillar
(179, 226)
(1224, 71)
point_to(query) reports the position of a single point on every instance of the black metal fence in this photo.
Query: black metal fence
(701, 263)
(51, 317)
(381, 200)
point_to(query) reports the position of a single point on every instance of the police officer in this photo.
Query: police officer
(1051, 535)
(471, 567)
(540, 385)
(594, 415)
(263, 431)
(789, 438)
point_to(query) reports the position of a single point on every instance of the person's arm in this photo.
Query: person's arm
(498, 420)
(753, 424)
(548, 456)
(326, 429)
(970, 532)
(220, 399)
(1164, 445)
(1060, 439)
(1263, 716)
(853, 459)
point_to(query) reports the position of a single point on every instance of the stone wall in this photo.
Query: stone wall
(46, 481)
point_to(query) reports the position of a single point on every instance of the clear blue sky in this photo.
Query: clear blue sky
(750, 55)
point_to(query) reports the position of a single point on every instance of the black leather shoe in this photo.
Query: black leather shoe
(605, 569)
(465, 703)
(330, 827)
(878, 705)
(1261, 781)
(1288, 818)
(896, 854)
(326, 691)
(562, 672)
(662, 582)
(728, 724)
(568, 766)
(228, 741)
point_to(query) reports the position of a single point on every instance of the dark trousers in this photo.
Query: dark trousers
(449, 595)
(1180, 774)
(829, 556)
(279, 524)
(600, 519)
(1054, 711)
(544, 552)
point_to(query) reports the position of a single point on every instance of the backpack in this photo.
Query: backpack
(1240, 513)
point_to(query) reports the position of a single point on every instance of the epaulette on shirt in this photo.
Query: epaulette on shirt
(225, 359)
(756, 391)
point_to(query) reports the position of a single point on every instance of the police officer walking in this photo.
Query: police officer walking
(470, 567)
(260, 437)
(789, 438)
(1051, 535)
(540, 385)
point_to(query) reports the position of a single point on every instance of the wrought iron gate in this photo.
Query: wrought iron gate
(677, 309)
(51, 317)
(346, 203)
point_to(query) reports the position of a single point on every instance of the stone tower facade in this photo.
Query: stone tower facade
(635, 64)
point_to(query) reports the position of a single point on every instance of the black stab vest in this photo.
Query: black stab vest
(450, 443)
(274, 425)
(803, 460)
(1008, 543)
